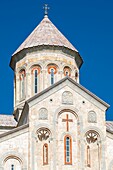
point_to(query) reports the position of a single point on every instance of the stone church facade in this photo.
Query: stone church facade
(57, 124)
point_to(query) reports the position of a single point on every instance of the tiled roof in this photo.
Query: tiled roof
(7, 120)
(109, 126)
(46, 34)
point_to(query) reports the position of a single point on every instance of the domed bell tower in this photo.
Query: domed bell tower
(44, 58)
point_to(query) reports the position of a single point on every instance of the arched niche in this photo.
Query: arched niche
(67, 97)
(43, 114)
(92, 117)
(12, 158)
(12, 163)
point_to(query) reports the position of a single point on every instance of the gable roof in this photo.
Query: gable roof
(109, 126)
(68, 79)
(7, 121)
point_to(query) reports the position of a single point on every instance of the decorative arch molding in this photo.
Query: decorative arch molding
(77, 115)
(31, 65)
(71, 109)
(69, 134)
(110, 165)
(35, 63)
(52, 66)
(14, 155)
(67, 65)
(21, 68)
(41, 125)
(101, 141)
(48, 63)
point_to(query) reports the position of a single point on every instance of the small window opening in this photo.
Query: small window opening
(67, 73)
(36, 80)
(12, 167)
(45, 154)
(52, 76)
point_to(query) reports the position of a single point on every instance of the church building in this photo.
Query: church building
(57, 124)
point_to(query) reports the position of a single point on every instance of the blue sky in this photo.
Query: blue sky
(87, 24)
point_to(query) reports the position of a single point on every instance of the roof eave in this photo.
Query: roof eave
(75, 53)
(79, 85)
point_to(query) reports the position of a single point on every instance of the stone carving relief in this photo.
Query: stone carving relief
(91, 137)
(43, 114)
(93, 149)
(43, 134)
(92, 117)
(67, 97)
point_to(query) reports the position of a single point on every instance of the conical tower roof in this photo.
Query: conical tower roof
(46, 34)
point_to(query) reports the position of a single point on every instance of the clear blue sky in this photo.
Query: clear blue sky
(87, 24)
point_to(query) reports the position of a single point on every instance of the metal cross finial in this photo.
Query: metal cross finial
(46, 8)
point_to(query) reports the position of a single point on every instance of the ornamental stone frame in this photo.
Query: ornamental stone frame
(39, 126)
(12, 155)
(67, 133)
(102, 141)
(78, 116)
(35, 140)
(43, 114)
(67, 97)
(92, 117)
(43, 133)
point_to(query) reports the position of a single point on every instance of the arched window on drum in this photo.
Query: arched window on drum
(22, 76)
(35, 79)
(67, 71)
(52, 70)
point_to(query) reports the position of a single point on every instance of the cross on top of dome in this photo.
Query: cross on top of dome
(46, 8)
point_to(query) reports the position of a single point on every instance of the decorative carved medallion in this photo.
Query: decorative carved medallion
(92, 117)
(43, 114)
(67, 98)
(43, 134)
(91, 137)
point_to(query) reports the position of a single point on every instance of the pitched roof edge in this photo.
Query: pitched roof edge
(74, 53)
(78, 85)
(16, 129)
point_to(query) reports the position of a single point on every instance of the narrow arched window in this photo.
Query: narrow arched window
(67, 150)
(88, 156)
(35, 79)
(22, 84)
(45, 154)
(12, 167)
(52, 76)
(67, 71)
(52, 70)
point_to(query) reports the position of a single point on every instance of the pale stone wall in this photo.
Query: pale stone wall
(78, 111)
(14, 151)
(109, 141)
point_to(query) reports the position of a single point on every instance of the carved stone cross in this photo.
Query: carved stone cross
(67, 120)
